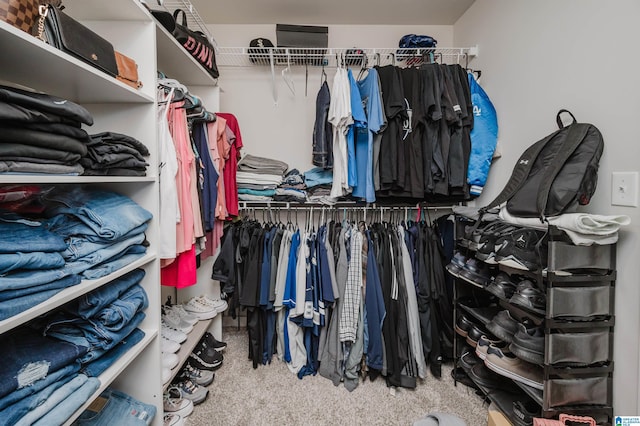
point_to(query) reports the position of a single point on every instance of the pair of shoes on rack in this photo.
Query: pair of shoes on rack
(172, 318)
(190, 390)
(171, 333)
(206, 357)
(212, 342)
(204, 307)
(508, 365)
(175, 403)
(523, 249)
(195, 374)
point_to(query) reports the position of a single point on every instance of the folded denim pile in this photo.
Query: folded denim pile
(41, 133)
(52, 366)
(115, 154)
(89, 234)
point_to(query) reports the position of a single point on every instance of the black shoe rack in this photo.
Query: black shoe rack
(578, 282)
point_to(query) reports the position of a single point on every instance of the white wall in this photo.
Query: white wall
(284, 131)
(538, 57)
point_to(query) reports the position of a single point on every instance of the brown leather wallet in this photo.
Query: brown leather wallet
(127, 70)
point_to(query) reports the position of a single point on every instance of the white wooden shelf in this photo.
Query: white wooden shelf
(58, 73)
(59, 179)
(69, 294)
(111, 373)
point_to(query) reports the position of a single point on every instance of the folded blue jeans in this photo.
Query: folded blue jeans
(17, 301)
(103, 255)
(93, 302)
(30, 260)
(80, 245)
(118, 409)
(28, 356)
(25, 236)
(65, 409)
(120, 313)
(89, 333)
(22, 279)
(109, 214)
(98, 366)
(54, 398)
(20, 399)
(113, 265)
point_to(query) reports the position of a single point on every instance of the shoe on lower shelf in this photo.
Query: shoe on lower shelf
(170, 360)
(503, 326)
(175, 403)
(509, 365)
(206, 358)
(169, 346)
(198, 308)
(200, 377)
(166, 375)
(172, 334)
(214, 343)
(192, 391)
(171, 419)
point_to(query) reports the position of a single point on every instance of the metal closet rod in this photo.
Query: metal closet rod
(350, 206)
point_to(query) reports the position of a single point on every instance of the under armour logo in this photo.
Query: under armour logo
(521, 239)
(524, 162)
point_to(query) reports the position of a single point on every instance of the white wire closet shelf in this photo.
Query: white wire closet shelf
(332, 57)
(194, 21)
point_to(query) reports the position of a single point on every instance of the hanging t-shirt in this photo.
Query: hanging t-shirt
(340, 117)
(370, 95)
(231, 165)
(322, 130)
(359, 122)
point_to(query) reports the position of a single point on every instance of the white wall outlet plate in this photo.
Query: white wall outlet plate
(624, 189)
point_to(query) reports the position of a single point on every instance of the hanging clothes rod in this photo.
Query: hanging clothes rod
(347, 205)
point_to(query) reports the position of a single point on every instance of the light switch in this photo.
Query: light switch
(624, 189)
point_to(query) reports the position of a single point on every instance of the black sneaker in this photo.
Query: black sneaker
(529, 296)
(502, 286)
(492, 240)
(520, 252)
(212, 342)
(463, 325)
(503, 326)
(528, 343)
(524, 411)
(476, 272)
(206, 358)
(457, 263)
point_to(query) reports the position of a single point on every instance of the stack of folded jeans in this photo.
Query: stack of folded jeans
(39, 381)
(32, 266)
(258, 177)
(115, 154)
(40, 133)
(100, 320)
(104, 230)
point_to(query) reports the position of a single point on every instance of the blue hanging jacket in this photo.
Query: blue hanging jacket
(484, 137)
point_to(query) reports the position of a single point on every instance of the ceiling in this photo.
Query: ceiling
(332, 12)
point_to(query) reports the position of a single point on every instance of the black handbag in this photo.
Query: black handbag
(196, 43)
(65, 33)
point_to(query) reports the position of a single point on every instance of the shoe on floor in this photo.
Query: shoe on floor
(174, 403)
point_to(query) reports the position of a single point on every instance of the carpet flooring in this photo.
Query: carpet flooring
(272, 395)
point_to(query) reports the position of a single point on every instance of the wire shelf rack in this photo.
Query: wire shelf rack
(332, 57)
(194, 20)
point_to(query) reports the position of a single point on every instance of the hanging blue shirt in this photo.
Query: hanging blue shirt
(359, 122)
(369, 89)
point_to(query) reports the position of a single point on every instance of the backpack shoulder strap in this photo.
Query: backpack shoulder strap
(577, 132)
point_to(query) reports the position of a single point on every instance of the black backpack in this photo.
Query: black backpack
(555, 174)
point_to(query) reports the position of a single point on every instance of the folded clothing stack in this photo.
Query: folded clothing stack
(40, 133)
(318, 182)
(258, 177)
(292, 188)
(115, 154)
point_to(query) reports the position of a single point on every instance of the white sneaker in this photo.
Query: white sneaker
(174, 403)
(170, 361)
(171, 419)
(186, 316)
(166, 375)
(172, 334)
(173, 320)
(199, 309)
(217, 304)
(169, 346)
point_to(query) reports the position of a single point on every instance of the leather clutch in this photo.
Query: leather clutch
(127, 70)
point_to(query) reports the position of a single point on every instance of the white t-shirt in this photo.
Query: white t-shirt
(168, 168)
(340, 118)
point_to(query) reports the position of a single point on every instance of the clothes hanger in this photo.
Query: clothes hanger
(363, 67)
(286, 76)
(323, 76)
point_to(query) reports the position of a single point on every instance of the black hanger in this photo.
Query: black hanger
(363, 67)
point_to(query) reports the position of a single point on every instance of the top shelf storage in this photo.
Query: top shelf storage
(332, 57)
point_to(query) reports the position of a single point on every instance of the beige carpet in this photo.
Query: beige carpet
(271, 395)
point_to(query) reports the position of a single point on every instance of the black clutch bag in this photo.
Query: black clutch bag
(65, 33)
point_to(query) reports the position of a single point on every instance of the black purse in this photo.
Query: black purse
(196, 43)
(65, 33)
